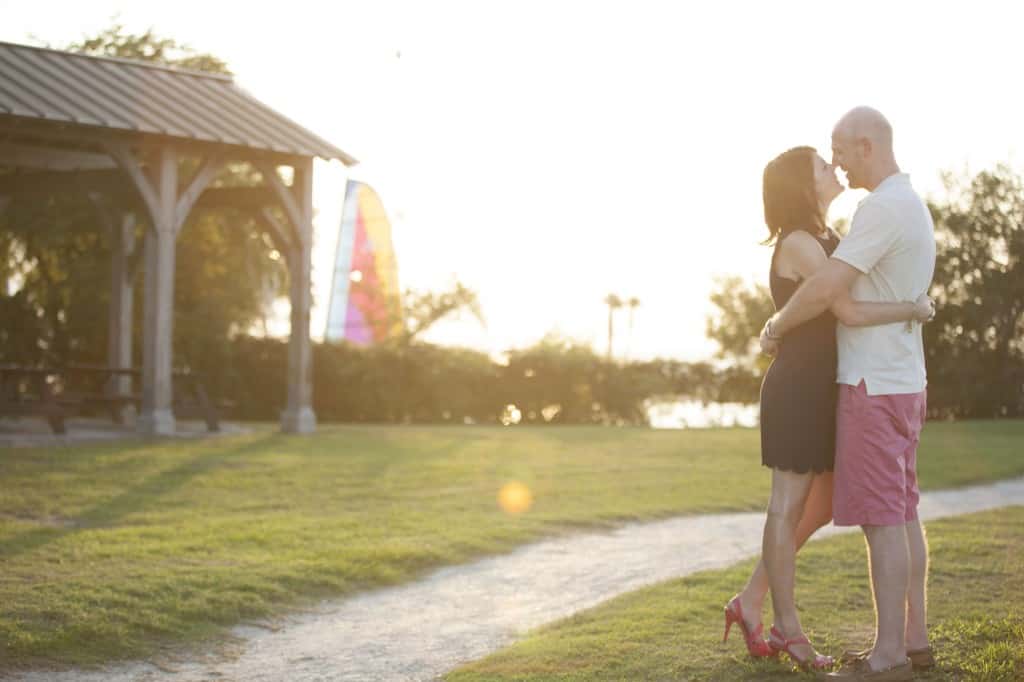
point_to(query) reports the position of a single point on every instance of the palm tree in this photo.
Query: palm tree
(633, 303)
(613, 302)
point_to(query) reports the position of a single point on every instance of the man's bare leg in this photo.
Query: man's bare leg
(889, 561)
(917, 591)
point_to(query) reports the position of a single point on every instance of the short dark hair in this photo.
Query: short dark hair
(790, 200)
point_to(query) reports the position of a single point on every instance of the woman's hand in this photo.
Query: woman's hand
(924, 308)
(769, 344)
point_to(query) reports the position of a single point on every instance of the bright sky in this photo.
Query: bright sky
(548, 153)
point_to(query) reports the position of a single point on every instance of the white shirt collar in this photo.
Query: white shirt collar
(894, 179)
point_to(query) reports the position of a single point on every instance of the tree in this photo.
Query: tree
(424, 309)
(148, 47)
(742, 311)
(975, 346)
(614, 303)
(560, 381)
(633, 303)
(53, 275)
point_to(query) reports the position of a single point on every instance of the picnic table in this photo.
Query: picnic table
(56, 393)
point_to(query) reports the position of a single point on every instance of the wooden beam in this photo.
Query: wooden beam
(106, 220)
(282, 237)
(37, 183)
(113, 186)
(298, 415)
(122, 154)
(284, 194)
(46, 132)
(241, 198)
(302, 190)
(157, 416)
(119, 323)
(116, 230)
(42, 133)
(246, 199)
(204, 175)
(149, 180)
(51, 158)
(138, 253)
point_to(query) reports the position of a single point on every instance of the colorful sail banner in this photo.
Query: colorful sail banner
(366, 304)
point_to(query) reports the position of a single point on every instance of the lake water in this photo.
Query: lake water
(693, 414)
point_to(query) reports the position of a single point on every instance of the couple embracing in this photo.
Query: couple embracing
(843, 403)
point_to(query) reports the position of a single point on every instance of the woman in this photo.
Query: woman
(798, 399)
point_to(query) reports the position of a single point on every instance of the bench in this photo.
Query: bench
(30, 391)
(59, 393)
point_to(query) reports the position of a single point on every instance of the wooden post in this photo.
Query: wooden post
(157, 417)
(119, 336)
(168, 210)
(298, 415)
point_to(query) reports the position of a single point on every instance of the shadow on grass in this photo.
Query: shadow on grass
(135, 499)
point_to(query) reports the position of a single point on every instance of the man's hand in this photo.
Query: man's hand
(815, 295)
(924, 308)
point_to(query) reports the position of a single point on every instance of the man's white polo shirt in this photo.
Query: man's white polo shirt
(892, 242)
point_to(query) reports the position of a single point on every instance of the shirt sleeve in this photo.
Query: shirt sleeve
(873, 234)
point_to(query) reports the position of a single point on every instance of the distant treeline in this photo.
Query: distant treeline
(555, 382)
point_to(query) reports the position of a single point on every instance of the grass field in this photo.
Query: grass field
(673, 631)
(112, 551)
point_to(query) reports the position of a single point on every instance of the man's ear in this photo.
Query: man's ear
(865, 147)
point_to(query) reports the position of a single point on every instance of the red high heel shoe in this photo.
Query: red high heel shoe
(779, 643)
(756, 646)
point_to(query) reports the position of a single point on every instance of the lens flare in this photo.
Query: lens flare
(511, 415)
(514, 498)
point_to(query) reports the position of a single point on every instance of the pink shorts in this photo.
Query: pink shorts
(876, 457)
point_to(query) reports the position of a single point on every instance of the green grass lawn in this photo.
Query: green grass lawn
(673, 631)
(111, 551)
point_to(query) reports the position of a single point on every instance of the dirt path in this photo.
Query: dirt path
(420, 630)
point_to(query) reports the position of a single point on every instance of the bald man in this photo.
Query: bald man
(888, 256)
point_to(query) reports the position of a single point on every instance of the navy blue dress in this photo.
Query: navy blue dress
(798, 395)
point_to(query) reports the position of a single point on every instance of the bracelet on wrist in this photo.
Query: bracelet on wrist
(769, 332)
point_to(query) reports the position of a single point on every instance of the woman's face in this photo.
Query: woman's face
(826, 184)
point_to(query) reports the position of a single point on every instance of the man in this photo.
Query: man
(889, 255)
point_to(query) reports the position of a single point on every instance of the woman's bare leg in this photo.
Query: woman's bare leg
(817, 513)
(778, 548)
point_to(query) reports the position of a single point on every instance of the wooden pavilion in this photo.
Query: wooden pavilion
(119, 130)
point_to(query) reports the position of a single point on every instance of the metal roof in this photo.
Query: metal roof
(122, 94)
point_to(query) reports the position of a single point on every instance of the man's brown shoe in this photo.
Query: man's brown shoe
(860, 670)
(922, 659)
(850, 656)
